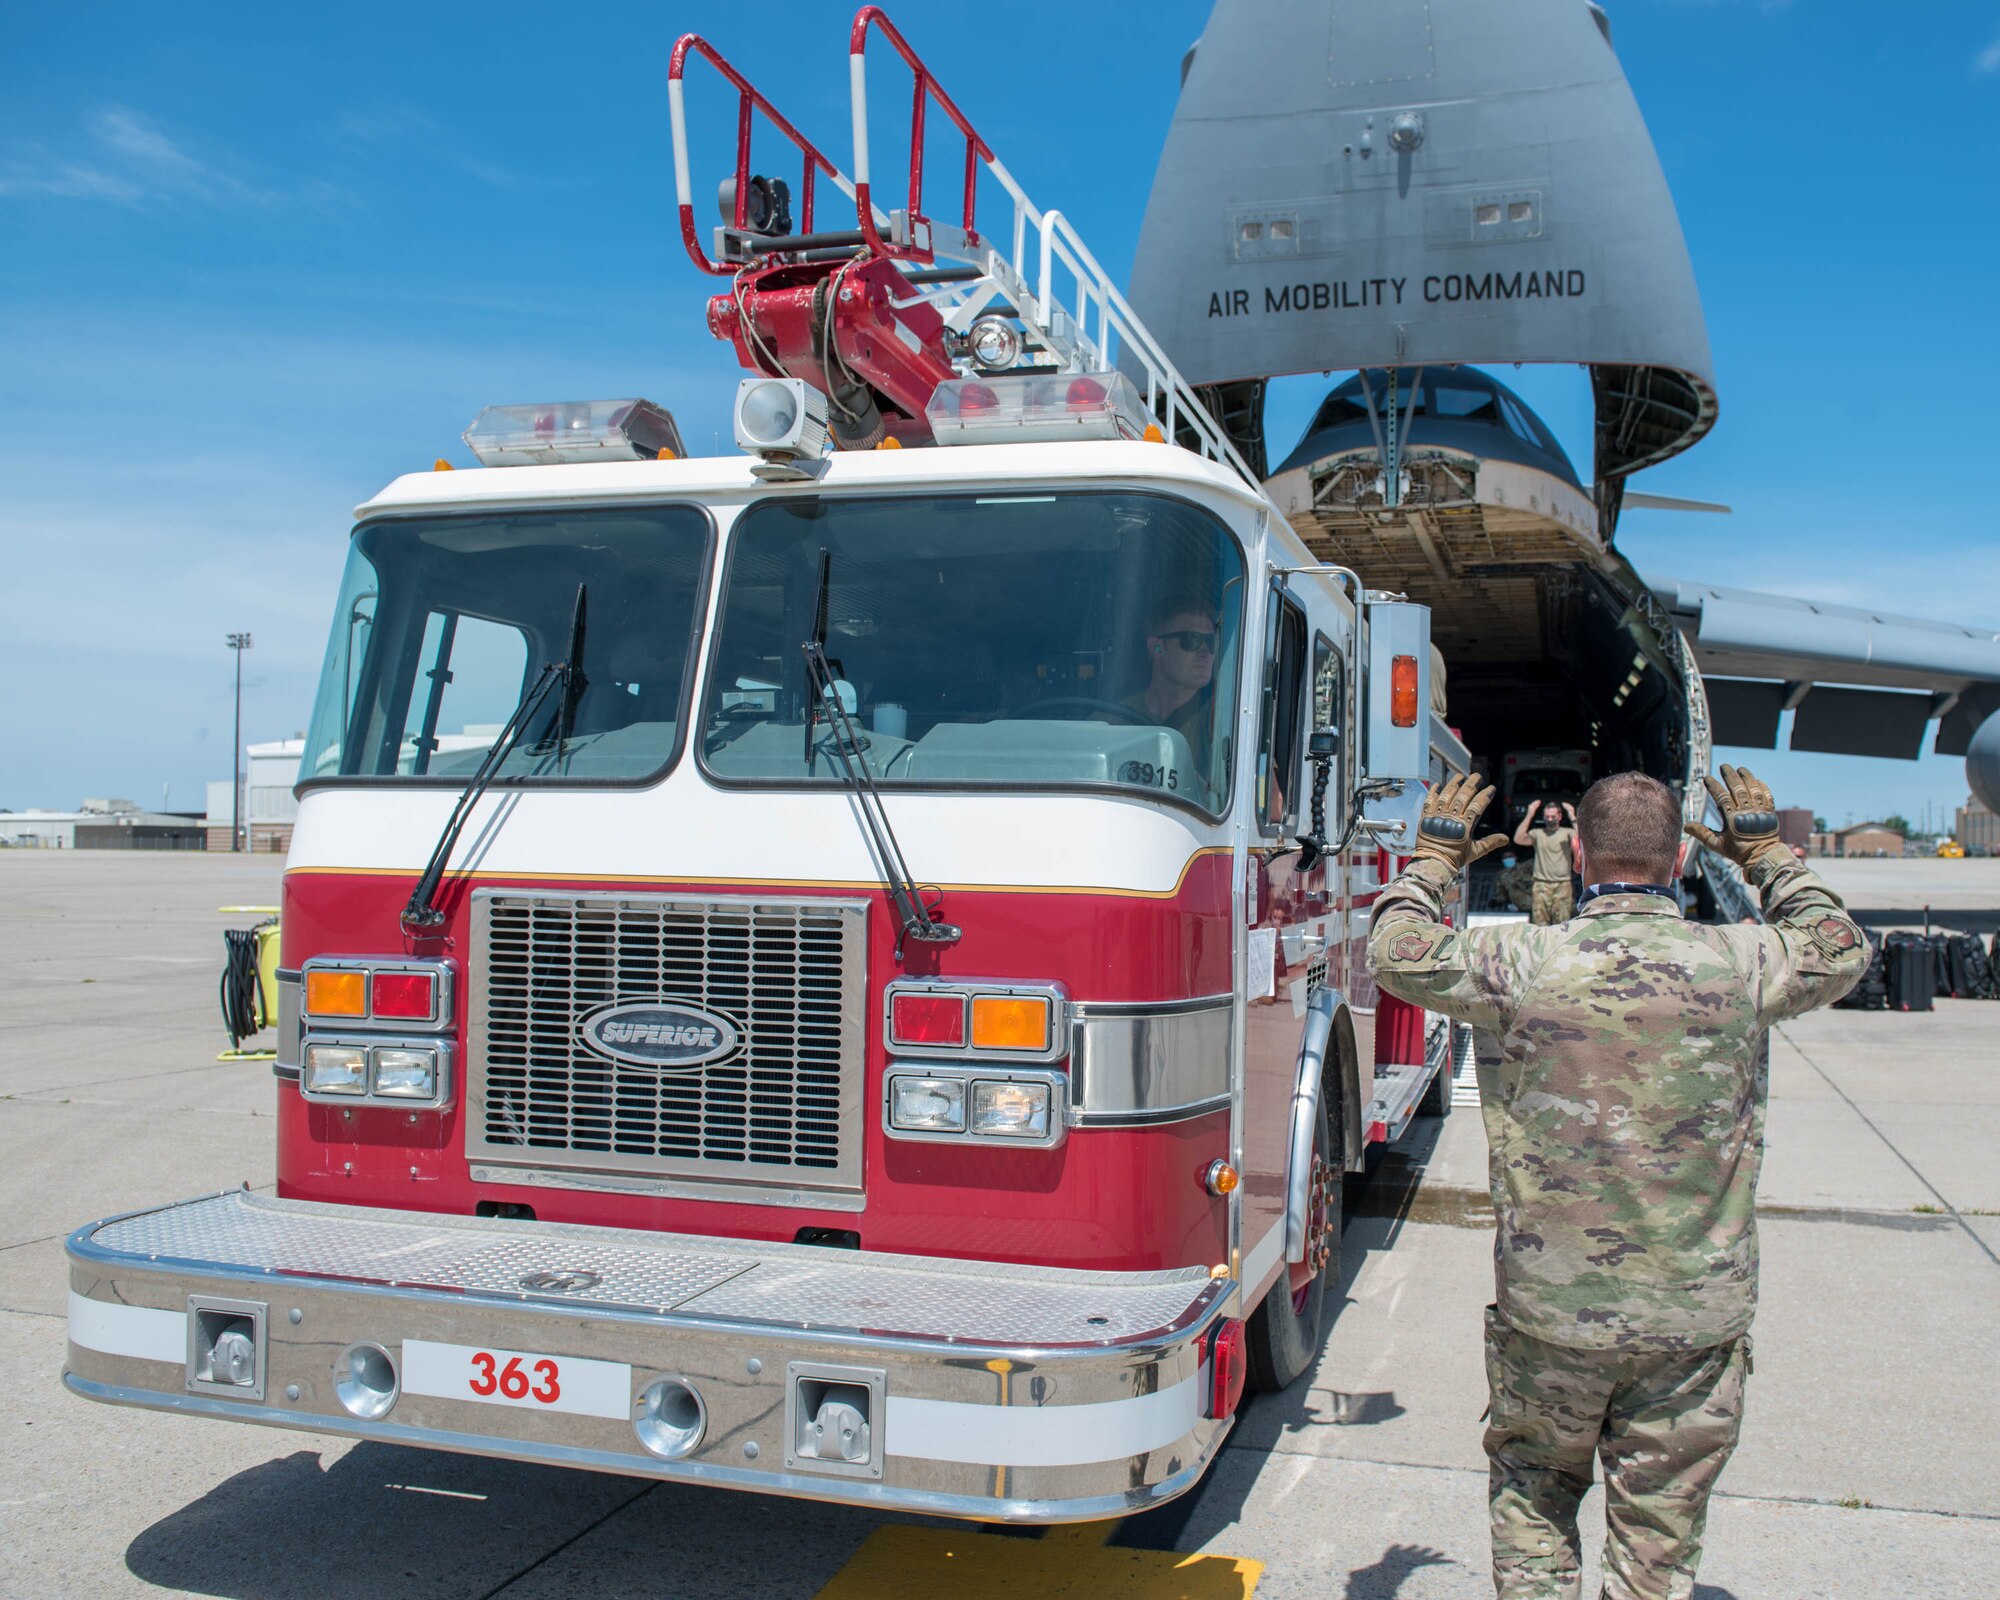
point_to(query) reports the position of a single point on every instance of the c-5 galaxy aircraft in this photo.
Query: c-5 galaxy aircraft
(1404, 188)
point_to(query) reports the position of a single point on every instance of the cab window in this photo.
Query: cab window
(1281, 744)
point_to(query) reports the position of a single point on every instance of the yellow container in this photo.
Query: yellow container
(267, 973)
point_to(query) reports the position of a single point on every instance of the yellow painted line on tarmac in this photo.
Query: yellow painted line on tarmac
(904, 1562)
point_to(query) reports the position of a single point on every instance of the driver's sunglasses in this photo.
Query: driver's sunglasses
(1192, 641)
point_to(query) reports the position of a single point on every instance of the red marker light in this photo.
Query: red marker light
(918, 1018)
(1085, 393)
(407, 996)
(1228, 1366)
(1403, 691)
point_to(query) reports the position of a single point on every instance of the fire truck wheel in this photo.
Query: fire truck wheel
(1284, 1332)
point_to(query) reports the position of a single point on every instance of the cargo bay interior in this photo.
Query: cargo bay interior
(1550, 639)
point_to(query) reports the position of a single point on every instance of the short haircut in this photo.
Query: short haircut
(1631, 828)
(1179, 605)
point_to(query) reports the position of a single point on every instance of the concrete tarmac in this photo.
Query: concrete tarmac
(1870, 1463)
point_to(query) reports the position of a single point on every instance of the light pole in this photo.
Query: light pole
(238, 642)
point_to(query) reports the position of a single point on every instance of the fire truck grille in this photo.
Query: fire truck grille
(782, 1105)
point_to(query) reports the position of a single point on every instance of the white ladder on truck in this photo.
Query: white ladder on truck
(1072, 306)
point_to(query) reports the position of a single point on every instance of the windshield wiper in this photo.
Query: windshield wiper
(918, 919)
(817, 643)
(573, 676)
(421, 915)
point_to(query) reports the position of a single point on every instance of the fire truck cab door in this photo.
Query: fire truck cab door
(1292, 911)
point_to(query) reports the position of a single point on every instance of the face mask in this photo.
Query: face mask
(1506, 861)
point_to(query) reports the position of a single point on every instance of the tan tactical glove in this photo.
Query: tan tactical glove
(1749, 818)
(1444, 830)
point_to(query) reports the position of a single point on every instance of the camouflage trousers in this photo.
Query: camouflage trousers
(1553, 901)
(1662, 1422)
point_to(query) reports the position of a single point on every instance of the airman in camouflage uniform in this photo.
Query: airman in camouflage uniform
(1550, 831)
(1624, 1111)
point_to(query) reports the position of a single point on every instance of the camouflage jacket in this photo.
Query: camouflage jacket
(1622, 1079)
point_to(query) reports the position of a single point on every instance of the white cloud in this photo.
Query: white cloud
(132, 161)
(70, 180)
(1988, 60)
(131, 134)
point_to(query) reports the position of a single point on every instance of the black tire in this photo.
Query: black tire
(1437, 1096)
(1283, 1338)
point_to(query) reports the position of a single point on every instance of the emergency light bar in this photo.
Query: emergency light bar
(1044, 408)
(572, 431)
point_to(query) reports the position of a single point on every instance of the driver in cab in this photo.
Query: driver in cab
(1181, 644)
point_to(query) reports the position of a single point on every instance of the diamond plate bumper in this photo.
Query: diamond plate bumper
(995, 1391)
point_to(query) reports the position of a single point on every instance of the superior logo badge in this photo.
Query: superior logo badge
(660, 1034)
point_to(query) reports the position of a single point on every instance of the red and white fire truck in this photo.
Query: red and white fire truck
(833, 970)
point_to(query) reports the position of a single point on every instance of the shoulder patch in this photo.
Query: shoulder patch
(1411, 946)
(1834, 933)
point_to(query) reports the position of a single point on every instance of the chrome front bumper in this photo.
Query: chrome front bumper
(980, 1390)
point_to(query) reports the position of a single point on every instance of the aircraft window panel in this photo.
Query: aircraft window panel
(1517, 422)
(1463, 404)
(1339, 411)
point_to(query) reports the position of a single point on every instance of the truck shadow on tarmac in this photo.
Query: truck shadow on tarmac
(388, 1522)
(377, 1520)
(1206, 1513)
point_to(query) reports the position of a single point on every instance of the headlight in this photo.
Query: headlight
(336, 1069)
(1013, 1110)
(405, 1074)
(927, 1105)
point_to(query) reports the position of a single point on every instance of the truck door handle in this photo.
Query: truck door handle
(1302, 944)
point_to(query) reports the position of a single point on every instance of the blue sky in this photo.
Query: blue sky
(258, 261)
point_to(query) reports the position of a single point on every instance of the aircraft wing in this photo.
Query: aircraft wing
(1860, 682)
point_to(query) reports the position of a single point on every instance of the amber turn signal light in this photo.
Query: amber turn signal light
(1010, 1022)
(1220, 1178)
(337, 992)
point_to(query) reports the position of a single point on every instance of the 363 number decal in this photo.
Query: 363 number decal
(532, 1380)
(490, 1377)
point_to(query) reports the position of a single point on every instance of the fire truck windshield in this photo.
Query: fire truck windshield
(443, 622)
(1032, 639)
